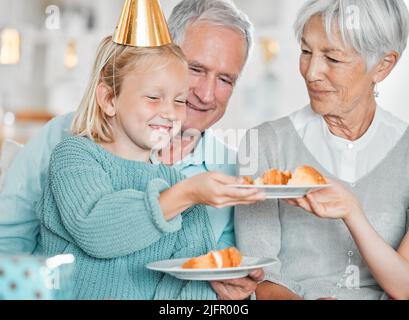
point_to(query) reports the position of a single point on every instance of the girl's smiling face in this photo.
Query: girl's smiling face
(150, 108)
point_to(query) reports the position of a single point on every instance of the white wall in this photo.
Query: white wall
(255, 99)
(394, 91)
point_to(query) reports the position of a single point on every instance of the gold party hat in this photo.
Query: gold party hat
(142, 24)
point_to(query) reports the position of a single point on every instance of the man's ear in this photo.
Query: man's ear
(385, 66)
(105, 99)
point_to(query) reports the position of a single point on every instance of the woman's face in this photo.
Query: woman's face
(337, 78)
(151, 106)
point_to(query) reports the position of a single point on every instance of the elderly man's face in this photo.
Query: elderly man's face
(216, 57)
(337, 78)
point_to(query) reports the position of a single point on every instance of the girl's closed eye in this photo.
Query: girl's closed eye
(153, 98)
(181, 101)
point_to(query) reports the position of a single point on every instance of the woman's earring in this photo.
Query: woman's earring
(376, 91)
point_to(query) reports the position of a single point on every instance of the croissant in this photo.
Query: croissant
(276, 177)
(306, 175)
(227, 258)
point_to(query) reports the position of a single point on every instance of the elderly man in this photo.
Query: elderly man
(216, 39)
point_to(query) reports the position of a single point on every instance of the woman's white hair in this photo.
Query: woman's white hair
(371, 27)
(219, 12)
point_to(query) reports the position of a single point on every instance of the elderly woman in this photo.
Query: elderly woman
(347, 48)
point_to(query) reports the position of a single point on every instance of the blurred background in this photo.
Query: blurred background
(47, 48)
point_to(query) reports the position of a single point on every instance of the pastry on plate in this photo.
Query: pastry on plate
(271, 177)
(306, 175)
(227, 258)
(276, 177)
(248, 181)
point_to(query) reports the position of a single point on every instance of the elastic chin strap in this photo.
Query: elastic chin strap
(113, 71)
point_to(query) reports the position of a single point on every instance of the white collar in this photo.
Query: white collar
(361, 143)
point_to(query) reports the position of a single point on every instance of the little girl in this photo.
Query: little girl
(105, 203)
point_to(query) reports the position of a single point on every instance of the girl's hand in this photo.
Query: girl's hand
(334, 202)
(212, 189)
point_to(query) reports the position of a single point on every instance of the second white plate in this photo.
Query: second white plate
(173, 267)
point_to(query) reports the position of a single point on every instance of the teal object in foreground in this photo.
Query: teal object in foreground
(35, 278)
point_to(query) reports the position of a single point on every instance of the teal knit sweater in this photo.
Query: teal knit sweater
(105, 211)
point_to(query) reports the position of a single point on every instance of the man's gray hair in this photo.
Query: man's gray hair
(219, 12)
(371, 27)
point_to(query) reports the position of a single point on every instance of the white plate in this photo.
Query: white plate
(173, 267)
(284, 191)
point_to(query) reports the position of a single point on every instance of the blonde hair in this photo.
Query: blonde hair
(113, 62)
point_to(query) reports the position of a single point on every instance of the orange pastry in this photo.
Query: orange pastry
(248, 181)
(276, 177)
(227, 258)
(306, 175)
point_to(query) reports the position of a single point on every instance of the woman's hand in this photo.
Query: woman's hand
(212, 189)
(334, 202)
